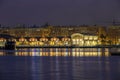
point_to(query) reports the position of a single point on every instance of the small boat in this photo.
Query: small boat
(115, 51)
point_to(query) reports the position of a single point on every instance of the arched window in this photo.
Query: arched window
(43, 39)
(54, 39)
(66, 39)
(22, 39)
(2, 39)
(77, 39)
(32, 39)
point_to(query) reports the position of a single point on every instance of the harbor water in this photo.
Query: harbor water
(59, 64)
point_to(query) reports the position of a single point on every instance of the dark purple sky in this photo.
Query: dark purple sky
(59, 12)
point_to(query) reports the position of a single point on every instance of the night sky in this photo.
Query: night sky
(59, 12)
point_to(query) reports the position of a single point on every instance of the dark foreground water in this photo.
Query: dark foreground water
(36, 64)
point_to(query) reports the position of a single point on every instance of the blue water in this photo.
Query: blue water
(14, 67)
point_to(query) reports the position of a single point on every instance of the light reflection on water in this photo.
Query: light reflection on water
(50, 64)
(59, 52)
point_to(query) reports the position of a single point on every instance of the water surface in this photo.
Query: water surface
(59, 64)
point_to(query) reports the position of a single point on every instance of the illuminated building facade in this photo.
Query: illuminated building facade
(63, 35)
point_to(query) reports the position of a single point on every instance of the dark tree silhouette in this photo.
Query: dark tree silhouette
(103, 37)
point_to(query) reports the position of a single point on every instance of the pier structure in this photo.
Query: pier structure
(75, 39)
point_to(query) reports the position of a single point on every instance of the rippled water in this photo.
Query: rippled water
(59, 64)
